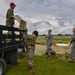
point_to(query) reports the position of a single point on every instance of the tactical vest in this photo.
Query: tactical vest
(9, 18)
(31, 40)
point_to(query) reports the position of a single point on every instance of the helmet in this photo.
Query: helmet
(12, 4)
(35, 33)
(74, 30)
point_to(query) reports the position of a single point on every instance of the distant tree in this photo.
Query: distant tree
(59, 34)
(43, 35)
(67, 34)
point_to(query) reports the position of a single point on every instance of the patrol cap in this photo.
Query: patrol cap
(74, 30)
(12, 4)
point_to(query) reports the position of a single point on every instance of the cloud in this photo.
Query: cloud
(59, 15)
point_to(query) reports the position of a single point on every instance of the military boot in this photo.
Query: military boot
(32, 70)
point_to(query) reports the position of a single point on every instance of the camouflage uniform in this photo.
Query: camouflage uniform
(9, 18)
(30, 41)
(24, 41)
(73, 46)
(49, 44)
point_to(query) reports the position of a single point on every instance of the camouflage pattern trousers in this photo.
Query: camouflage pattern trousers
(73, 51)
(49, 50)
(31, 50)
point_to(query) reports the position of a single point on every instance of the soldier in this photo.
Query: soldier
(73, 47)
(30, 41)
(24, 41)
(10, 15)
(49, 43)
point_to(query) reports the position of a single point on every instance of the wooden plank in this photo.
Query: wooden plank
(7, 48)
(0, 38)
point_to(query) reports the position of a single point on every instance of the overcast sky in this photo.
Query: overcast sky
(41, 15)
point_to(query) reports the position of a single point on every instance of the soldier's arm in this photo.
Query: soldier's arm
(71, 40)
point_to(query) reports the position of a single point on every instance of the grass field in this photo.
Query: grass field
(64, 39)
(56, 66)
(43, 66)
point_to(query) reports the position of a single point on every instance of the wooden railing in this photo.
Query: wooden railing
(10, 38)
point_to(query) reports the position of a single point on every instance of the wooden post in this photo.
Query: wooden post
(0, 38)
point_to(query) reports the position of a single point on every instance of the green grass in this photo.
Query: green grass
(41, 40)
(56, 66)
(64, 39)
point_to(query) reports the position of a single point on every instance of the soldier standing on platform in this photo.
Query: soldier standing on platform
(30, 41)
(10, 15)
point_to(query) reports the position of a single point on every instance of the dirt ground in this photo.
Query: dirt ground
(40, 49)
